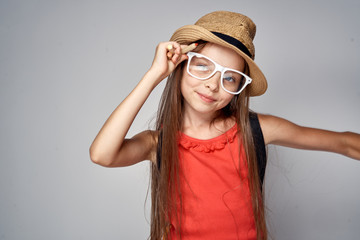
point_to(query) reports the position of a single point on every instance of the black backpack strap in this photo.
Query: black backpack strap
(258, 142)
(259, 145)
(158, 150)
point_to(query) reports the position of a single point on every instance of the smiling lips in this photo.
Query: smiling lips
(206, 98)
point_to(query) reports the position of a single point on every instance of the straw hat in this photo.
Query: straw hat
(228, 29)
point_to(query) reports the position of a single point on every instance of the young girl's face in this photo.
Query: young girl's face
(207, 96)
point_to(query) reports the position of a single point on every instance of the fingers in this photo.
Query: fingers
(173, 52)
(168, 56)
(182, 58)
(170, 50)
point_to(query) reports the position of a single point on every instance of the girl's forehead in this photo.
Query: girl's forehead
(223, 56)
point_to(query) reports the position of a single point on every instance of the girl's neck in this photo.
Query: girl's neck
(201, 126)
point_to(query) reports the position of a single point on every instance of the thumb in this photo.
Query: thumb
(182, 58)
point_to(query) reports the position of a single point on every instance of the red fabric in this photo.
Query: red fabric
(216, 200)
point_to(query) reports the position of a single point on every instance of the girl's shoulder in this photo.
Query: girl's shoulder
(272, 127)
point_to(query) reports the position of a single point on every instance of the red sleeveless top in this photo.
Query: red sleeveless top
(215, 191)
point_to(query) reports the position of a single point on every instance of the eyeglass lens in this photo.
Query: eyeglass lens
(203, 68)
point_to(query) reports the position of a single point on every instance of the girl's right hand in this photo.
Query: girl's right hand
(162, 66)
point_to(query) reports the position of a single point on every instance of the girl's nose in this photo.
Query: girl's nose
(213, 82)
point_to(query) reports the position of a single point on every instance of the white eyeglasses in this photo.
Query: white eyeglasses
(202, 68)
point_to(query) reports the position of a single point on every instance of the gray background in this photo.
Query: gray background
(65, 65)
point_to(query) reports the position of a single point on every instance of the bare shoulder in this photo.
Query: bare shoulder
(274, 128)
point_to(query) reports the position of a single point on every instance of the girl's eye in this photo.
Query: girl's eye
(202, 67)
(232, 77)
(229, 79)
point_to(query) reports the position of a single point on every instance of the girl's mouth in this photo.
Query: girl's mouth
(206, 98)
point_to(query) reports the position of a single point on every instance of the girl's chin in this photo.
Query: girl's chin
(203, 109)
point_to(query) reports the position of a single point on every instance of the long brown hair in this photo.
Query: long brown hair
(165, 183)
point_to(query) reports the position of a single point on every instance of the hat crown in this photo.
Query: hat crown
(232, 24)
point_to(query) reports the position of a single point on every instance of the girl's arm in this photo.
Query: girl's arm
(282, 132)
(110, 148)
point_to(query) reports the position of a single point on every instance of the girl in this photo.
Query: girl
(207, 152)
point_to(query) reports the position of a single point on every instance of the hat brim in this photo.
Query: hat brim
(192, 33)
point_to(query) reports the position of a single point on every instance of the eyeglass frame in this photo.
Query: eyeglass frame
(218, 68)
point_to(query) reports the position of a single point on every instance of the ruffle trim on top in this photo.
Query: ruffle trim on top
(208, 145)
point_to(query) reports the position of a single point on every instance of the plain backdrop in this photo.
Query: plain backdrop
(65, 66)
